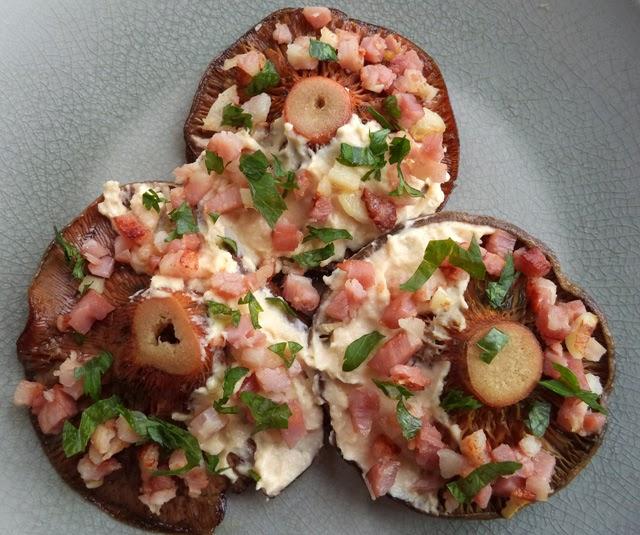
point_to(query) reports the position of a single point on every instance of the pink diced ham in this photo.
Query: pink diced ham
(228, 285)
(376, 78)
(131, 228)
(282, 34)
(317, 16)
(93, 474)
(475, 448)
(244, 335)
(273, 379)
(184, 264)
(364, 405)
(576, 366)
(296, 429)
(103, 267)
(361, 270)
(531, 262)
(426, 444)
(571, 414)
(227, 145)
(554, 354)
(251, 62)
(396, 350)
(191, 242)
(406, 60)
(350, 55)
(503, 453)
(541, 293)
(322, 209)
(58, 407)
(593, 423)
(93, 251)
(483, 497)
(400, 306)
(381, 477)
(553, 322)
(285, 235)
(505, 486)
(206, 424)
(539, 483)
(300, 293)
(500, 242)
(575, 309)
(411, 110)
(27, 392)
(493, 263)
(411, 377)
(122, 252)
(92, 307)
(224, 200)
(374, 47)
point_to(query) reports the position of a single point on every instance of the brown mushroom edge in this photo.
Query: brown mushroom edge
(575, 451)
(215, 80)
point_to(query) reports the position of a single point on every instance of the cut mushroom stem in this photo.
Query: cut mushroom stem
(317, 107)
(514, 371)
(165, 336)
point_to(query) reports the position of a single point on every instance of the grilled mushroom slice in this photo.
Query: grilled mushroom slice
(42, 348)
(470, 381)
(314, 92)
(168, 374)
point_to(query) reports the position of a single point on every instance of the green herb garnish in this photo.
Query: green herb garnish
(231, 378)
(287, 351)
(457, 400)
(393, 390)
(235, 116)
(184, 220)
(327, 235)
(91, 373)
(497, 291)
(213, 162)
(262, 185)
(568, 386)
(538, 418)
(313, 258)
(72, 255)
(220, 309)
(400, 147)
(464, 489)
(266, 78)
(436, 252)
(151, 200)
(358, 350)
(282, 305)
(214, 216)
(322, 51)
(491, 344)
(409, 424)
(254, 308)
(266, 413)
(229, 244)
(390, 104)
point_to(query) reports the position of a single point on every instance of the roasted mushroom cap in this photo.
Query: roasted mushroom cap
(508, 390)
(42, 347)
(215, 80)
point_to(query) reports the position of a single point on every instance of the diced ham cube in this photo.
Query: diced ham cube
(593, 422)
(27, 392)
(361, 270)
(541, 293)
(553, 322)
(410, 376)
(58, 407)
(93, 251)
(227, 145)
(483, 497)
(376, 78)
(364, 405)
(531, 262)
(273, 379)
(93, 474)
(206, 424)
(285, 236)
(381, 477)
(350, 55)
(381, 210)
(317, 16)
(300, 293)
(131, 228)
(244, 335)
(400, 306)
(500, 242)
(396, 350)
(554, 354)
(426, 444)
(224, 200)
(322, 209)
(183, 264)
(374, 47)
(296, 429)
(476, 448)
(493, 263)
(103, 267)
(229, 285)
(574, 309)
(406, 60)
(92, 306)
(282, 34)
(505, 486)
(298, 54)
(571, 414)
(411, 110)
(503, 453)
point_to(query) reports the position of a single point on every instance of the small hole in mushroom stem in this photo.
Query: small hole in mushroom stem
(167, 334)
(320, 102)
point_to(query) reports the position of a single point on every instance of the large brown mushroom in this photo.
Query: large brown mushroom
(309, 95)
(158, 363)
(509, 385)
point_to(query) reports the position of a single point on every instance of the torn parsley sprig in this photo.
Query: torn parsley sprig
(233, 115)
(327, 235)
(213, 162)
(358, 350)
(151, 200)
(568, 386)
(231, 378)
(91, 373)
(287, 351)
(262, 184)
(491, 344)
(220, 309)
(409, 423)
(497, 291)
(185, 222)
(266, 414)
(254, 308)
(72, 256)
(315, 257)
(322, 51)
(398, 150)
(266, 78)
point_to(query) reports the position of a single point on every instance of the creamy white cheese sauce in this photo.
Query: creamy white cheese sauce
(395, 261)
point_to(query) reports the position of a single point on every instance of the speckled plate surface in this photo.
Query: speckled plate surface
(547, 98)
